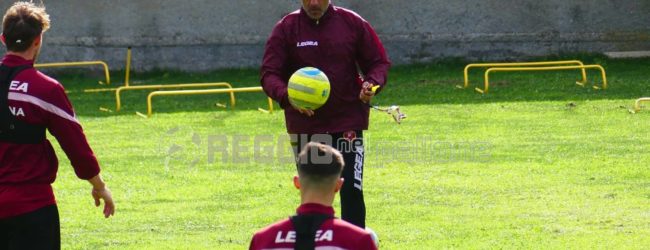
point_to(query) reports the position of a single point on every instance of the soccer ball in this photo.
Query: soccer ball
(374, 236)
(308, 88)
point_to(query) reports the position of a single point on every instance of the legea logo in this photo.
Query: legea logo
(307, 44)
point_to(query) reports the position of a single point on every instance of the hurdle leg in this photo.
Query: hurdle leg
(118, 100)
(602, 74)
(128, 67)
(584, 75)
(637, 104)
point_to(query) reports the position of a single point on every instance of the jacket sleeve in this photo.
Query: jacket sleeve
(274, 66)
(367, 243)
(372, 58)
(64, 126)
(252, 244)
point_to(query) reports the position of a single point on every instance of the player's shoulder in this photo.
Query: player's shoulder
(38, 84)
(290, 18)
(348, 228)
(351, 235)
(273, 228)
(35, 76)
(348, 14)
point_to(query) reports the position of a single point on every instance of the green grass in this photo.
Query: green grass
(537, 163)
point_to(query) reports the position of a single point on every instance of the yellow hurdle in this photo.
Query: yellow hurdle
(126, 75)
(637, 104)
(127, 67)
(507, 69)
(118, 91)
(77, 64)
(203, 92)
(519, 64)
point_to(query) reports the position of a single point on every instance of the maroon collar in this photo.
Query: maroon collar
(313, 208)
(14, 60)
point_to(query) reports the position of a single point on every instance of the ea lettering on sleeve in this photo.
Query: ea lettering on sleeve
(290, 237)
(17, 111)
(18, 86)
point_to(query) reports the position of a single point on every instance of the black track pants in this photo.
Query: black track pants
(35, 230)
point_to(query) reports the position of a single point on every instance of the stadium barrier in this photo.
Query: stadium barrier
(637, 104)
(519, 64)
(118, 91)
(78, 64)
(205, 92)
(549, 68)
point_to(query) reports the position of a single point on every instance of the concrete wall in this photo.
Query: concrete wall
(200, 35)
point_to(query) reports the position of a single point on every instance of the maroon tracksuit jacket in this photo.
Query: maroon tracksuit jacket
(333, 233)
(340, 44)
(27, 170)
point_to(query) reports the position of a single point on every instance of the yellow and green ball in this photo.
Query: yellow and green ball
(309, 88)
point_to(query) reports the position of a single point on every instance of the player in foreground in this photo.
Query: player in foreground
(30, 103)
(344, 46)
(319, 179)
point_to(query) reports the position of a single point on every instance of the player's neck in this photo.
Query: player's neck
(27, 55)
(317, 198)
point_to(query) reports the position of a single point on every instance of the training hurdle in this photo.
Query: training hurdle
(637, 104)
(550, 68)
(204, 92)
(78, 64)
(118, 91)
(127, 67)
(520, 64)
(210, 89)
(126, 75)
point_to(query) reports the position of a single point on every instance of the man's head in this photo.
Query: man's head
(22, 26)
(319, 169)
(315, 8)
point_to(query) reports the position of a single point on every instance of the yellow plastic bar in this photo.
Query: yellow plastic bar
(506, 69)
(202, 92)
(99, 90)
(270, 104)
(128, 67)
(77, 64)
(118, 100)
(637, 104)
(519, 64)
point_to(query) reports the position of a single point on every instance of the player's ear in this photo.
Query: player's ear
(339, 184)
(37, 40)
(2, 37)
(296, 182)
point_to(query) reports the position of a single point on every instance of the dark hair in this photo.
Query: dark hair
(22, 23)
(319, 163)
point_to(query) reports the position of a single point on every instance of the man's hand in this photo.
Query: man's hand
(367, 92)
(307, 112)
(101, 192)
(105, 194)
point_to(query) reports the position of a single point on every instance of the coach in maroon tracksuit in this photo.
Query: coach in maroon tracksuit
(314, 227)
(345, 47)
(30, 103)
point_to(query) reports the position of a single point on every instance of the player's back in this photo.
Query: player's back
(333, 234)
(37, 100)
(28, 165)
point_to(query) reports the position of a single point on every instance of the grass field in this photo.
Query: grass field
(537, 163)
